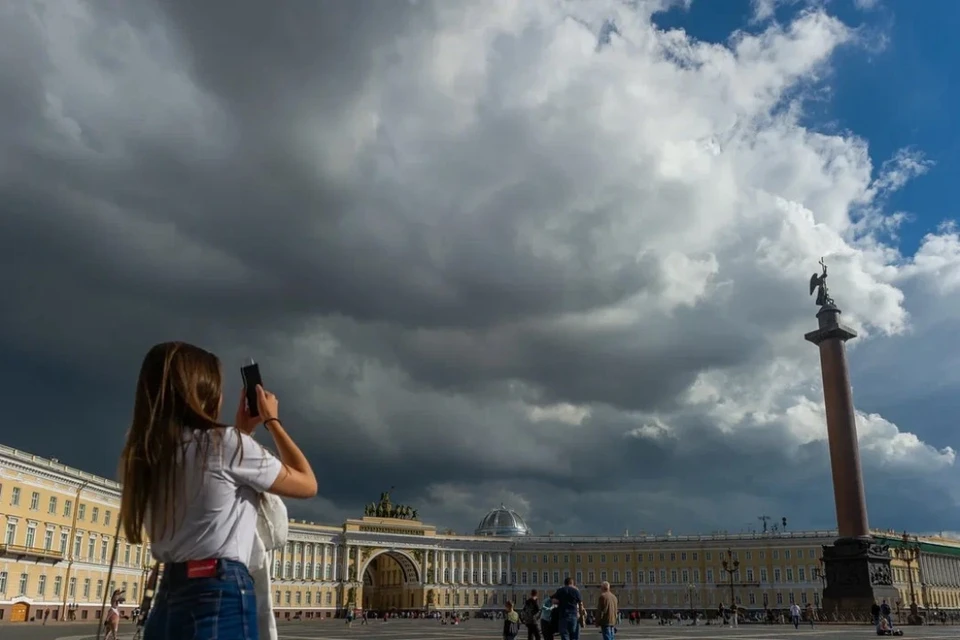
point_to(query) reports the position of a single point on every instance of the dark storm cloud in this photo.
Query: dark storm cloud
(179, 170)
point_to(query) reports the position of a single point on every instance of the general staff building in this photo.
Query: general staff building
(59, 527)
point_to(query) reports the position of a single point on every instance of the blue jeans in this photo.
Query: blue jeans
(608, 633)
(220, 607)
(569, 628)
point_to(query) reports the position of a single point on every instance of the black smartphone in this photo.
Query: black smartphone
(250, 373)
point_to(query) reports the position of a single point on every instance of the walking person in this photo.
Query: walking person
(795, 615)
(530, 616)
(192, 484)
(548, 623)
(568, 610)
(608, 612)
(511, 622)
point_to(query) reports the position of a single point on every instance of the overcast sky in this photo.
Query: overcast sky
(481, 252)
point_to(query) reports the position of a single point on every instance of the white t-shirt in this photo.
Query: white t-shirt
(219, 517)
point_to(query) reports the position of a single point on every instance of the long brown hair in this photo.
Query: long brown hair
(178, 393)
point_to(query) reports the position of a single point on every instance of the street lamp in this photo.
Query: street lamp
(908, 551)
(730, 567)
(70, 546)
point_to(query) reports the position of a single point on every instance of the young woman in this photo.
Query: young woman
(112, 621)
(191, 484)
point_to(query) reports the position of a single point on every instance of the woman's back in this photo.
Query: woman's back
(215, 509)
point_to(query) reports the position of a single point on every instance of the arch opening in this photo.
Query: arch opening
(391, 582)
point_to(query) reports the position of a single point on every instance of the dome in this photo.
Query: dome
(502, 522)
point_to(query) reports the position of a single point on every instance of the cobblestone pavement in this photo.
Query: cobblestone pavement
(490, 630)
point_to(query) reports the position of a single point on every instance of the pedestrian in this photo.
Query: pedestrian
(511, 622)
(191, 484)
(569, 610)
(608, 612)
(530, 616)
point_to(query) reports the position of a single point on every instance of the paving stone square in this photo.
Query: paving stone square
(490, 630)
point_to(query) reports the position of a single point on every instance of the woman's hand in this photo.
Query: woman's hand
(268, 407)
(268, 404)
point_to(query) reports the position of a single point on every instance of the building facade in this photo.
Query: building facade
(60, 532)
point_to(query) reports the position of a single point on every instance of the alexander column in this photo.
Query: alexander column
(857, 568)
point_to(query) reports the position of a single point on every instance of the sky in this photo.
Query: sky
(548, 254)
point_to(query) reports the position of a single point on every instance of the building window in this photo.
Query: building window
(81, 511)
(556, 578)
(696, 576)
(709, 555)
(616, 577)
(31, 535)
(628, 576)
(95, 514)
(15, 497)
(48, 540)
(566, 560)
(591, 577)
(22, 591)
(673, 576)
(34, 501)
(286, 597)
(603, 576)
(299, 598)
(523, 578)
(67, 508)
(3, 581)
(58, 585)
(791, 597)
(752, 599)
(763, 574)
(72, 589)
(579, 577)
(776, 575)
(103, 550)
(789, 574)
(106, 518)
(99, 588)
(801, 574)
(64, 538)
(776, 554)
(749, 555)
(803, 597)
(578, 558)
(683, 556)
(589, 558)
(545, 559)
(652, 577)
(91, 547)
(749, 575)
(603, 557)
(779, 598)
(709, 575)
(695, 555)
(786, 554)
(41, 585)
(11, 535)
(52, 505)
(673, 557)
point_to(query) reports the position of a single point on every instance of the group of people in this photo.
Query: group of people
(562, 614)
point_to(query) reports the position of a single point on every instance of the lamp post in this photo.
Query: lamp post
(70, 547)
(730, 567)
(691, 593)
(908, 551)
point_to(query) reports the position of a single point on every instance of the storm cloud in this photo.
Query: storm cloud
(481, 253)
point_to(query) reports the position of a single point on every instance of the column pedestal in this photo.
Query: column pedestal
(858, 574)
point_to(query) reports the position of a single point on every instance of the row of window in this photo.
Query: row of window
(128, 552)
(676, 576)
(694, 555)
(23, 587)
(52, 502)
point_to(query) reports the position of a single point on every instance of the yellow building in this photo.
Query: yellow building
(59, 525)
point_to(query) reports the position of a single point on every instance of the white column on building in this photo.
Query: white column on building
(443, 567)
(356, 564)
(470, 568)
(463, 567)
(345, 567)
(509, 568)
(499, 568)
(323, 562)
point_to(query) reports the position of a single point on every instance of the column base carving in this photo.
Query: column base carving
(858, 574)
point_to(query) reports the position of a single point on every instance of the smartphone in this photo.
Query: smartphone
(250, 372)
